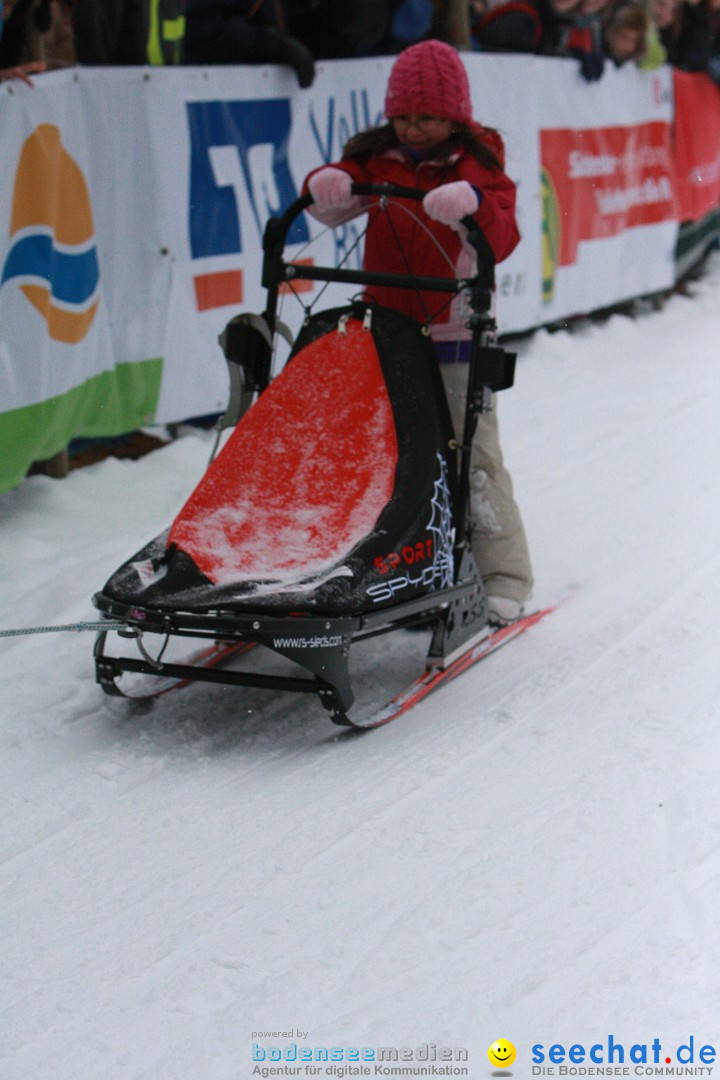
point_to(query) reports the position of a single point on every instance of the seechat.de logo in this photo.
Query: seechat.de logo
(53, 255)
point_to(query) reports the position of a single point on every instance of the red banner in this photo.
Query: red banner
(606, 180)
(696, 137)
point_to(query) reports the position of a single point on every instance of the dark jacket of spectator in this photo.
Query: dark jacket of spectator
(244, 32)
(535, 26)
(685, 33)
(111, 31)
(339, 29)
(38, 31)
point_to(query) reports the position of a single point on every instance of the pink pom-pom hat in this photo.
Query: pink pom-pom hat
(429, 78)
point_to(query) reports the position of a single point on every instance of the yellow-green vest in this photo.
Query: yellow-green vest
(166, 31)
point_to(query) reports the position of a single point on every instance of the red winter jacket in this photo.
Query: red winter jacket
(417, 252)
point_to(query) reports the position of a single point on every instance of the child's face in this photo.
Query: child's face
(591, 7)
(564, 7)
(421, 132)
(663, 12)
(625, 43)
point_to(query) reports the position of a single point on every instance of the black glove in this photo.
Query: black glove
(283, 49)
(592, 64)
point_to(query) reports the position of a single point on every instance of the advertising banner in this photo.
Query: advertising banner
(236, 146)
(135, 202)
(697, 145)
(83, 290)
(608, 212)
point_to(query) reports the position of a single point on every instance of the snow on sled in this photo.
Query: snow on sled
(338, 508)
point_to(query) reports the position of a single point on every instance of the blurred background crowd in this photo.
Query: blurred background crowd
(37, 35)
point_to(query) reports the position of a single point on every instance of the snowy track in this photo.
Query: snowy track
(533, 853)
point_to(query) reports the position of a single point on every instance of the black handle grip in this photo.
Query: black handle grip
(389, 191)
(276, 231)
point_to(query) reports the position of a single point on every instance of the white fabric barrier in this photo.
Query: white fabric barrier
(135, 200)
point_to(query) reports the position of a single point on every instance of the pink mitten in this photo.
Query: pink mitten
(330, 189)
(451, 202)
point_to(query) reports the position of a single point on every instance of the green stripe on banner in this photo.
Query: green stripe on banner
(111, 403)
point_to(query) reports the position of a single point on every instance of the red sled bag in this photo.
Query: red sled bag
(334, 494)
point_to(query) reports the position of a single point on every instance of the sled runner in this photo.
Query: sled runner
(338, 508)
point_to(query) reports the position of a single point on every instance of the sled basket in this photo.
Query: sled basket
(337, 507)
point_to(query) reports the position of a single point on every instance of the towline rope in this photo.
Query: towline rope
(79, 626)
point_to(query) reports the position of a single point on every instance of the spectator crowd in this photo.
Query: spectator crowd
(684, 33)
(39, 35)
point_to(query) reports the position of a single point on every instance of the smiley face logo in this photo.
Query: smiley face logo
(501, 1053)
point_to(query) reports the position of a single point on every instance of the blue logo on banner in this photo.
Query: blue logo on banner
(238, 146)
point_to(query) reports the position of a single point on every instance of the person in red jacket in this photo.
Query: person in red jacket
(431, 142)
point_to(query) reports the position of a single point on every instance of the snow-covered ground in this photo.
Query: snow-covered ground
(532, 854)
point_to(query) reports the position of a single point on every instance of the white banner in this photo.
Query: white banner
(607, 212)
(83, 284)
(236, 151)
(143, 237)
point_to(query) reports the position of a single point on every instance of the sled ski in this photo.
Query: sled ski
(433, 678)
(200, 666)
(320, 646)
(337, 510)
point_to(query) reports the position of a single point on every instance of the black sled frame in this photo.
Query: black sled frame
(320, 645)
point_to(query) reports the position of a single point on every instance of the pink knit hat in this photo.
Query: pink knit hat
(430, 78)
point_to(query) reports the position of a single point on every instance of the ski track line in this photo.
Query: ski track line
(632, 633)
(261, 734)
(381, 939)
(128, 784)
(415, 785)
(111, 764)
(489, 687)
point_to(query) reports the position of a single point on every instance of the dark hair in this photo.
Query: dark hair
(377, 140)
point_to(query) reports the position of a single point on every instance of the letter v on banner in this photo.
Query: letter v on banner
(238, 158)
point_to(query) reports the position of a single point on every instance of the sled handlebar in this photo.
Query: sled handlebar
(275, 270)
(475, 236)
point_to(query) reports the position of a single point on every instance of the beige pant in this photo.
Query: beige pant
(498, 541)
